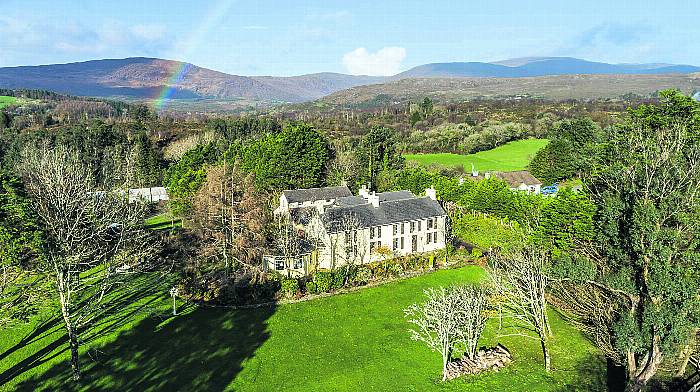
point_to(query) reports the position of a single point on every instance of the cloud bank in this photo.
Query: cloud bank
(384, 62)
(30, 40)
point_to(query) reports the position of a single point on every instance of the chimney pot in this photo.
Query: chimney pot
(431, 193)
(373, 199)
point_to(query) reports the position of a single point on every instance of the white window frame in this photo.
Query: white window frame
(279, 264)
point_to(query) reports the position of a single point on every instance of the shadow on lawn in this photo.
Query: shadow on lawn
(121, 309)
(201, 350)
(594, 373)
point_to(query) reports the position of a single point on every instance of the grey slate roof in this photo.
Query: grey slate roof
(387, 213)
(397, 195)
(349, 201)
(314, 194)
(515, 178)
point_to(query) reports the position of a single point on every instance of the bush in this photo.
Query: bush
(323, 281)
(311, 287)
(338, 278)
(290, 286)
(363, 275)
(395, 269)
(476, 253)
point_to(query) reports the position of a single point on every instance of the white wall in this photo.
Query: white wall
(386, 239)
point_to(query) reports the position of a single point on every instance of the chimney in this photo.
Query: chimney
(364, 192)
(430, 192)
(373, 199)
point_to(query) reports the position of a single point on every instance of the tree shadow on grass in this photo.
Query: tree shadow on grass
(123, 305)
(120, 310)
(594, 373)
(43, 329)
(201, 350)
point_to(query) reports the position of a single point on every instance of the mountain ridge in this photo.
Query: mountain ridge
(539, 66)
(150, 78)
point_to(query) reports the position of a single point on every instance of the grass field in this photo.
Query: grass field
(163, 221)
(7, 101)
(350, 342)
(511, 156)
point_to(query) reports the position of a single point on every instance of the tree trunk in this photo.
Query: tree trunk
(685, 357)
(545, 316)
(545, 353)
(445, 359)
(74, 364)
(636, 383)
(631, 365)
(72, 336)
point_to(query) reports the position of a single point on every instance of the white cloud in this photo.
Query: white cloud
(37, 40)
(384, 62)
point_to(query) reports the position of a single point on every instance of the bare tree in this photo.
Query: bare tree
(448, 319)
(340, 234)
(94, 240)
(287, 241)
(520, 282)
(351, 245)
(229, 218)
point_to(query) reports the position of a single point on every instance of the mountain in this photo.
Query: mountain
(150, 78)
(538, 66)
(555, 87)
(145, 78)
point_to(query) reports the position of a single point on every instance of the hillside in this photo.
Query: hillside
(150, 78)
(147, 78)
(546, 87)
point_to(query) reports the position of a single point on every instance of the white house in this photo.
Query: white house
(320, 198)
(521, 180)
(368, 227)
(148, 195)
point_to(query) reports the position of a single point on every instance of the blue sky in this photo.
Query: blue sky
(360, 37)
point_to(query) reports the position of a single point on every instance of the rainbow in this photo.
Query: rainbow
(179, 70)
(176, 75)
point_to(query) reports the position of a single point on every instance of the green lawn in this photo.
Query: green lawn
(7, 101)
(163, 221)
(350, 342)
(508, 157)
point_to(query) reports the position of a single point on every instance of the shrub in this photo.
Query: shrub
(311, 287)
(476, 253)
(323, 281)
(264, 290)
(338, 280)
(395, 269)
(363, 275)
(290, 286)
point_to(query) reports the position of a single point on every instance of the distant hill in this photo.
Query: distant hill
(557, 87)
(539, 66)
(146, 78)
